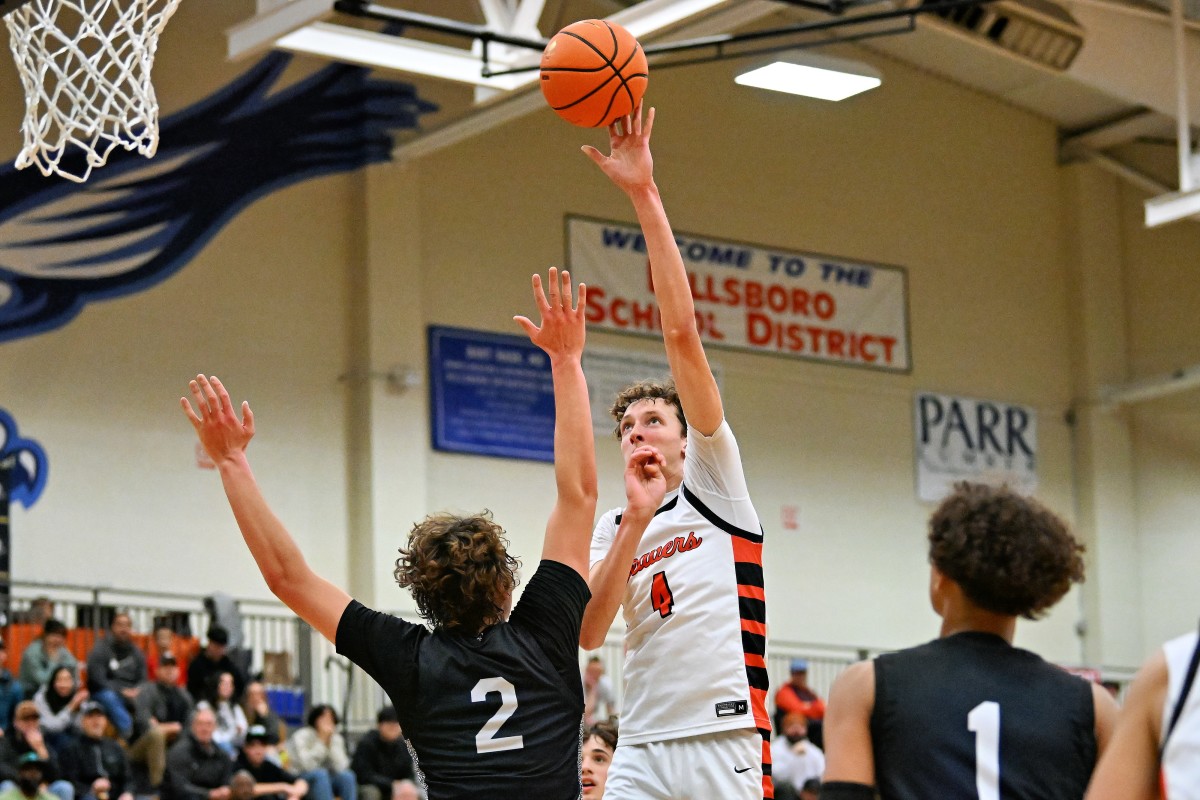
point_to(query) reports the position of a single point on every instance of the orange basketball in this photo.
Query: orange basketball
(593, 73)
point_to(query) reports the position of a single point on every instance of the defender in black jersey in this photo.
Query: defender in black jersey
(969, 715)
(491, 703)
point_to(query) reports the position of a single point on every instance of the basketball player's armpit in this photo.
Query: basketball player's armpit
(844, 790)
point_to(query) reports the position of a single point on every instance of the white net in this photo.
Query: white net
(85, 66)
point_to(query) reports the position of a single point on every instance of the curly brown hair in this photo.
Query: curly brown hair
(647, 390)
(458, 570)
(1009, 553)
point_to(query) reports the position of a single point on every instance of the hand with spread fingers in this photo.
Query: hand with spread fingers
(221, 433)
(629, 164)
(562, 332)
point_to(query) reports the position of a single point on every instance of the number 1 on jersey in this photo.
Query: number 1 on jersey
(984, 720)
(660, 595)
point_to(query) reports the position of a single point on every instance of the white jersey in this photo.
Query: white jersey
(695, 612)
(1181, 756)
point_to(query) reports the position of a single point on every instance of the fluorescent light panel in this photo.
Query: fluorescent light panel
(829, 80)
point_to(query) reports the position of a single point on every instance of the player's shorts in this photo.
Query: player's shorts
(715, 766)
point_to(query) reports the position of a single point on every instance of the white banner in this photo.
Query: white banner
(801, 305)
(609, 371)
(964, 439)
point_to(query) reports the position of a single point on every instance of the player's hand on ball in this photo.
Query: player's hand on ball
(221, 432)
(629, 164)
(645, 483)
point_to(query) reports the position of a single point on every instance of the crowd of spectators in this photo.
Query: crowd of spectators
(176, 723)
(181, 722)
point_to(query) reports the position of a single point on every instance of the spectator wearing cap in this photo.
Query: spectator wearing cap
(162, 712)
(58, 703)
(796, 696)
(212, 661)
(28, 737)
(29, 780)
(381, 759)
(196, 768)
(95, 764)
(116, 669)
(181, 650)
(43, 655)
(11, 691)
(270, 779)
(258, 712)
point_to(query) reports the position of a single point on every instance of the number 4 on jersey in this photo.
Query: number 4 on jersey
(660, 595)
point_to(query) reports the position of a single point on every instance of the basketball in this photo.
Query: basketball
(593, 73)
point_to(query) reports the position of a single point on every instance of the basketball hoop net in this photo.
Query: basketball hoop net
(85, 67)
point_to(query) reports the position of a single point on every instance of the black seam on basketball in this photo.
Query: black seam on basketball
(586, 96)
(624, 83)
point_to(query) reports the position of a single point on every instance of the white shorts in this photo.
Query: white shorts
(715, 766)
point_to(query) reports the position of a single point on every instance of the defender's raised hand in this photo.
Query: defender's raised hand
(221, 433)
(562, 331)
(629, 164)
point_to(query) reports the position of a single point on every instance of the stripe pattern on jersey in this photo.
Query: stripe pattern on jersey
(752, 608)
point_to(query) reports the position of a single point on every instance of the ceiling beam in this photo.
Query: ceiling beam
(524, 101)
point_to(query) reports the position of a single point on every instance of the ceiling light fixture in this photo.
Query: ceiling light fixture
(812, 75)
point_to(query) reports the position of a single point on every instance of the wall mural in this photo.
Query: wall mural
(28, 463)
(137, 222)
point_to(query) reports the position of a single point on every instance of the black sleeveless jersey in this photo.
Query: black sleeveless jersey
(970, 716)
(494, 715)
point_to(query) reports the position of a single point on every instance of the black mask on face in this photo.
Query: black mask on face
(28, 784)
(793, 739)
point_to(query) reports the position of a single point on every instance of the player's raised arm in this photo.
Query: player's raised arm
(1129, 769)
(645, 485)
(224, 437)
(631, 167)
(561, 335)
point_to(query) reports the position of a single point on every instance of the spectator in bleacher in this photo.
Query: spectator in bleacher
(162, 712)
(196, 768)
(241, 786)
(95, 764)
(794, 759)
(165, 641)
(796, 696)
(28, 780)
(381, 759)
(58, 704)
(11, 692)
(318, 752)
(258, 712)
(231, 720)
(597, 694)
(27, 737)
(270, 779)
(43, 655)
(213, 660)
(116, 669)
(40, 609)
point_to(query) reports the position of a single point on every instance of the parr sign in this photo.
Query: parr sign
(802, 305)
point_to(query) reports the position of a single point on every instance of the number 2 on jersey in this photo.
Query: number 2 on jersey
(984, 721)
(660, 595)
(486, 740)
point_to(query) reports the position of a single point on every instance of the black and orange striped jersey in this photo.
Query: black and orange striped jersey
(694, 607)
